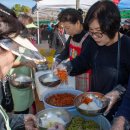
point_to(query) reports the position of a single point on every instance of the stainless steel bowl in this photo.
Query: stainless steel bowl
(21, 81)
(92, 95)
(49, 80)
(47, 114)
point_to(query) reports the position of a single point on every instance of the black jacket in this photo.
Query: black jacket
(103, 62)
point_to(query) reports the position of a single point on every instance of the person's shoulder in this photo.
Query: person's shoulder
(128, 33)
(125, 38)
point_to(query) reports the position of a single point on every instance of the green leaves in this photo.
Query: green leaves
(19, 9)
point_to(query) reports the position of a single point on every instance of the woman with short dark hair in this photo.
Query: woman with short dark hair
(72, 21)
(107, 54)
(71, 15)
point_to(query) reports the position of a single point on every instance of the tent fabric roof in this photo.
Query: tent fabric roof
(65, 3)
(51, 8)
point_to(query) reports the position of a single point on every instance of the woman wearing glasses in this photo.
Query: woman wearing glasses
(107, 53)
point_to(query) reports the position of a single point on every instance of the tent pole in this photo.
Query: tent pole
(38, 36)
(77, 4)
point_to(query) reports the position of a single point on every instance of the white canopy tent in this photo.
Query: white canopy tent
(49, 9)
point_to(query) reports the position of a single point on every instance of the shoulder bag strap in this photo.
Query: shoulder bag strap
(118, 57)
(6, 118)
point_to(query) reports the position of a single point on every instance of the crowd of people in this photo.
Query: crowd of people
(54, 35)
(97, 44)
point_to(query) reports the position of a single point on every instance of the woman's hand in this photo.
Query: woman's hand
(57, 127)
(65, 65)
(30, 122)
(119, 123)
(113, 97)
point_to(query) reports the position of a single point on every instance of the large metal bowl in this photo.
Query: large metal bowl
(92, 95)
(48, 115)
(49, 80)
(21, 81)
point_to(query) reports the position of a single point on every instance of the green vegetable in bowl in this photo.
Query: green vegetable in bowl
(78, 123)
(91, 125)
(77, 120)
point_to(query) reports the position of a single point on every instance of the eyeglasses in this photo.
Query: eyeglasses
(97, 34)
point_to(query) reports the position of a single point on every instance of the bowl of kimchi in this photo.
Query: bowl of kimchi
(60, 98)
(91, 103)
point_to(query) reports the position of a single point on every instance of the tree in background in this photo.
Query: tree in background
(18, 9)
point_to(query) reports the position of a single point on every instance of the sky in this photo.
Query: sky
(10, 3)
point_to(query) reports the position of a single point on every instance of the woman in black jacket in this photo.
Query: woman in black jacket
(107, 53)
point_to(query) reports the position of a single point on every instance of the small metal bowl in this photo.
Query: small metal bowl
(52, 113)
(92, 95)
(21, 81)
(49, 80)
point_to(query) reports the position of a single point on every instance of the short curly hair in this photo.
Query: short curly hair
(70, 15)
